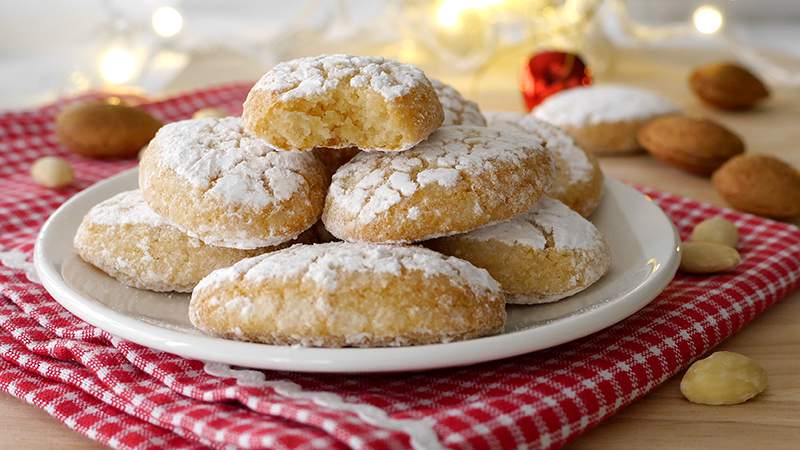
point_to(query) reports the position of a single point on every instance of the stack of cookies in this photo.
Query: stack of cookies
(355, 203)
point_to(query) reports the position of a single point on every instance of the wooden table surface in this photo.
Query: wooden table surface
(663, 419)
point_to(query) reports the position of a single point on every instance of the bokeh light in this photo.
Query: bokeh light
(118, 65)
(449, 13)
(167, 21)
(707, 19)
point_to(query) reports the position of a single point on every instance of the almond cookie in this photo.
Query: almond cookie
(344, 294)
(728, 86)
(542, 256)
(461, 178)
(578, 181)
(124, 238)
(457, 109)
(604, 118)
(696, 145)
(98, 129)
(760, 184)
(219, 183)
(338, 101)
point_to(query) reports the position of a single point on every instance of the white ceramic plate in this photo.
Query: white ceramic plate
(645, 256)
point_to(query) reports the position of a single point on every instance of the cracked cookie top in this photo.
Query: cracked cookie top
(580, 169)
(371, 183)
(551, 224)
(221, 158)
(125, 208)
(324, 264)
(311, 76)
(457, 109)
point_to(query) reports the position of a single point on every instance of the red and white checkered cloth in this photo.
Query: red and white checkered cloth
(128, 396)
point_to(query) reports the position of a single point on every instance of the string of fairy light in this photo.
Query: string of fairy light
(706, 18)
(120, 64)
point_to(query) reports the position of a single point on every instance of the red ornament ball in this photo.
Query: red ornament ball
(549, 72)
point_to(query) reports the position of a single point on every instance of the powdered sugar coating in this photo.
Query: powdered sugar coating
(446, 157)
(125, 238)
(312, 76)
(519, 231)
(553, 253)
(224, 160)
(219, 183)
(580, 169)
(457, 109)
(568, 229)
(324, 264)
(551, 224)
(588, 105)
(125, 208)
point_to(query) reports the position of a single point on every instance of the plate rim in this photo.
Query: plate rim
(345, 360)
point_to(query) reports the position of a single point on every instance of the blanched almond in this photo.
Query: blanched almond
(52, 172)
(707, 257)
(724, 378)
(716, 230)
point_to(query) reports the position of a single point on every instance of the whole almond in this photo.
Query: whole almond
(760, 184)
(707, 257)
(716, 230)
(724, 378)
(102, 130)
(52, 172)
(728, 85)
(204, 113)
(696, 145)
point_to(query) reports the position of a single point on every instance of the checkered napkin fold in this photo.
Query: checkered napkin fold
(128, 396)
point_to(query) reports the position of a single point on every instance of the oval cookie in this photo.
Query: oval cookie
(97, 129)
(339, 101)
(578, 182)
(219, 183)
(460, 179)
(124, 238)
(542, 256)
(344, 294)
(603, 118)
